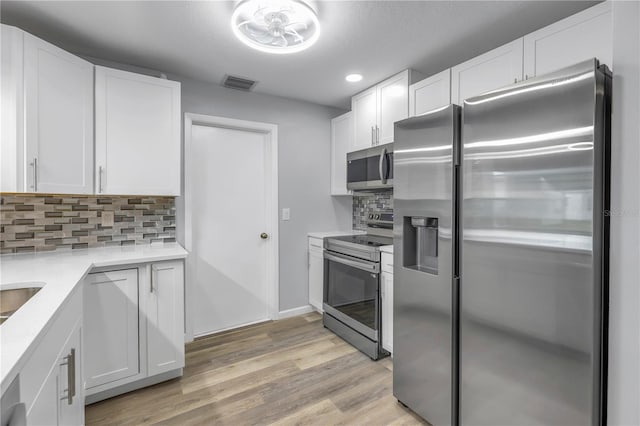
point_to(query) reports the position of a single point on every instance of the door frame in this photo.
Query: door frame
(271, 199)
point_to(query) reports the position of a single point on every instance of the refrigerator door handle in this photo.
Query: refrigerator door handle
(381, 166)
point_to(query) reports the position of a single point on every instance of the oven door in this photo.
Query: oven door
(351, 290)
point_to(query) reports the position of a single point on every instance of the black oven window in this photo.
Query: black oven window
(357, 170)
(353, 292)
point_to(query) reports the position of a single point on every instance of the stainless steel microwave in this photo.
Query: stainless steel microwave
(370, 168)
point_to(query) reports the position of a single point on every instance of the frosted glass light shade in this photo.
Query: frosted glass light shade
(275, 26)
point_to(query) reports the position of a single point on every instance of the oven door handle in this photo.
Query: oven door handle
(372, 267)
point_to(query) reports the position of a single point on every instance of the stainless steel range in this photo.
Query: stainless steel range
(352, 285)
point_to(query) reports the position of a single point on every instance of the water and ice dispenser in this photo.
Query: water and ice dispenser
(420, 242)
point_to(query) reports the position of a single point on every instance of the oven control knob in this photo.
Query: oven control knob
(370, 215)
(377, 216)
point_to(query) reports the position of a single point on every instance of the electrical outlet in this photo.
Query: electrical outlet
(286, 214)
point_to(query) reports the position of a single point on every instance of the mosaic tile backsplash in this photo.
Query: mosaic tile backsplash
(368, 202)
(35, 222)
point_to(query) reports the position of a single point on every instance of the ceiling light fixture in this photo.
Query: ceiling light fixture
(353, 78)
(276, 26)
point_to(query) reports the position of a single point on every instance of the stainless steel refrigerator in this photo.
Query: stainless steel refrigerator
(501, 254)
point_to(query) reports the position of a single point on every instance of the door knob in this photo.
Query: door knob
(264, 235)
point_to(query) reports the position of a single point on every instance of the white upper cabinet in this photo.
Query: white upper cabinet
(341, 142)
(58, 89)
(12, 111)
(393, 105)
(364, 107)
(47, 117)
(377, 109)
(582, 36)
(165, 317)
(492, 70)
(137, 120)
(431, 93)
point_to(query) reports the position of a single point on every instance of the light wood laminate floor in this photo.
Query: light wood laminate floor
(286, 372)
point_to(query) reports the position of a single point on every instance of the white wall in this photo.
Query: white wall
(304, 133)
(624, 306)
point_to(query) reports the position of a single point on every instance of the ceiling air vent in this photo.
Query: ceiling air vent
(239, 83)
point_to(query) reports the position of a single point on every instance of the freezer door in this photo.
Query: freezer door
(424, 233)
(532, 232)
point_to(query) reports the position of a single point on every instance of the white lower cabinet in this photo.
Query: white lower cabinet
(61, 396)
(386, 293)
(316, 272)
(51, 381)
(165, 317)
(134, 327)
(111, 327)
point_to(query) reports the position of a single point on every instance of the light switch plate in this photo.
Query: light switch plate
(286, 214)
(107, 218)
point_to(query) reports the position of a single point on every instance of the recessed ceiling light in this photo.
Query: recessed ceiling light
(353, 78)
(276, 26)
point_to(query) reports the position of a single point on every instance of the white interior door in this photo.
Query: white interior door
(229, 180)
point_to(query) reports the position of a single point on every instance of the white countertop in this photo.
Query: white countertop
(61, 272)
(387, 249)
(326, 234)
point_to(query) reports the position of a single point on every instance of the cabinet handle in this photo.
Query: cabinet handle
(526, 77)
(152, 272)
(35, 174)
(71, 376)
(515, 80)
(372, 138)
(100, 179)
(377, 135)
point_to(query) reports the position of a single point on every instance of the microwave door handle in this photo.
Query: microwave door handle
(383, 174)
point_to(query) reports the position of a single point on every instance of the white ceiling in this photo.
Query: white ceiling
(376, 38)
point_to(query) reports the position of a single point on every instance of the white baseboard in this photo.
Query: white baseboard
(295, 312)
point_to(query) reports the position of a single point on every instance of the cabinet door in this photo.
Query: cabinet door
(387, 310)
(70, 384)
(46, 405)
(430, 93)
(341, 140)
(58, 402)
(364, 109)
(165, 317)
(316, 273)
(492, 70)
(393, 105)
(111, 327)
(583, 36)
(58, 105)
(137, 134)
(11, 126)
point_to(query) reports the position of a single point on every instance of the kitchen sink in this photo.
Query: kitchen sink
(13, 296)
